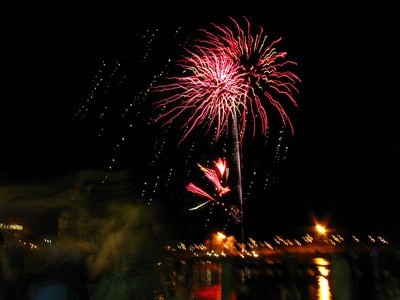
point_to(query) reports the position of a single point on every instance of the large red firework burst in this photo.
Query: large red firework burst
(230, 73)
(211, 89)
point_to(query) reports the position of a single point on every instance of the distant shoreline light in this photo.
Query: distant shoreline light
(11, 226)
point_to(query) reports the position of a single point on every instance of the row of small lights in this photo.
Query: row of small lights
(11, 226)
(308, 239)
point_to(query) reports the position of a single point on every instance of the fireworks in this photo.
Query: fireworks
(228, 77)
(220, 165)
(265, 69)
(212, 90)
(229, 74)
(217, 177)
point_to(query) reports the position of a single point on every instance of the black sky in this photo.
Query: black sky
(343, 161)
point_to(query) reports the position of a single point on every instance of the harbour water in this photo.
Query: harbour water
(372, 274)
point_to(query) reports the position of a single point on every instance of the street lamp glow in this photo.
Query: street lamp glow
(320, 229)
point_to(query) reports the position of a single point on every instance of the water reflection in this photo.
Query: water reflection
(306, 279)
(311, 278)
(323, 291)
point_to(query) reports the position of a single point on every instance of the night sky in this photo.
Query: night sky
(341, 164)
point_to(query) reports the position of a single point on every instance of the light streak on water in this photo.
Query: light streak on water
(324, 289)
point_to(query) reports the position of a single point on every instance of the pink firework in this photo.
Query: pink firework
(267, 73)
(229, 74)
(216, 178)
(220, 165)
(212, 90)
(191, 187)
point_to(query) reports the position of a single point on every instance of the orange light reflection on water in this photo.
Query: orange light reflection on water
(324, 290)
